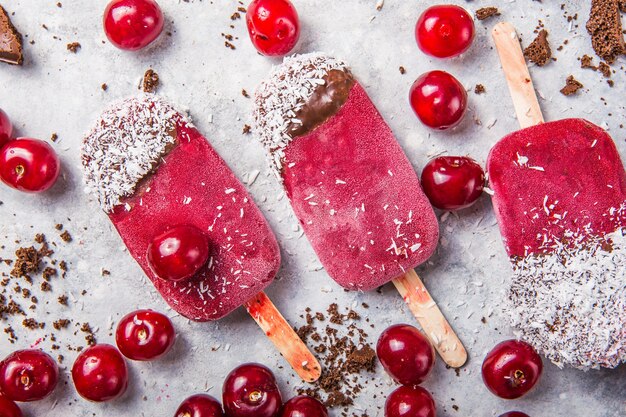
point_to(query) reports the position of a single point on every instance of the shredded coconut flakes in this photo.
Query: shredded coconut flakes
(570, 303)
(278, 99)
(126, 144)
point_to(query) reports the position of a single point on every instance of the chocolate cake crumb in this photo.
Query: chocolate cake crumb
(90, 336)
(479, 89)
(104, 87)
(487, 12)
(539, 51)
(605, 27)
(66, 237)
(61, 324)
(59, 227)
(32, 324)
(45, 287)
(229, 45)
(150, 81)
(605, 69)
(73, 47)
(245, 93)
(587, 62)
(402, 70)
(571, 86)
(27, 262)
(62, 300)
(246, 129)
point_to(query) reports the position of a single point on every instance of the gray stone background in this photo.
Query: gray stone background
(60, 92)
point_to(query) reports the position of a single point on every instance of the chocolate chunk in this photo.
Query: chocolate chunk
(10, 41)
(150, 81)
(605, 27)
(73, 47)
(539, 50)
(486, 13)
(479, 89)
(571, 86)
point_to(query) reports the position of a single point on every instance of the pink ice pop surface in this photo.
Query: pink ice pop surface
(358, 198)
(572, 181)
(195, 186)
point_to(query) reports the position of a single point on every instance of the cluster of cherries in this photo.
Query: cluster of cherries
(99, 372)
(510, 370)
(26, 164)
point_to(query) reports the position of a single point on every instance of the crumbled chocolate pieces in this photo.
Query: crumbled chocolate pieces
(66, 237)
(150, 81)
(245, 93)
(90, 337)
(73, 47)
(402, 70)
(61, 324)
(104, 87)
(10, 41)
(62, 300)
(487, 12)
(479, 89)
(605, 27)
(32, 324)
(246, 129)
(539, 51)
(571, 86)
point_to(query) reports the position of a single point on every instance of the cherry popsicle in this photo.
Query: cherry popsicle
(351, 186)
(560, 200)
(152, 172)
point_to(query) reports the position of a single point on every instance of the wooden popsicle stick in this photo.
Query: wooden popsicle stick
(517, 76)
(286, 340)
(432, 320)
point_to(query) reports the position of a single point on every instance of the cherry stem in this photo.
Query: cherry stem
(518, 378)
(19, 170)
(255, 396)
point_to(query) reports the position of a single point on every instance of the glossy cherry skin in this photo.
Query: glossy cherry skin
(511, 369)
(200, 405)
(100, 373)
(304, 406)
(514, 414)
(438, 99)
(8, 408)
(132, 24)
(273, 26)
(179, 253)
(28, 375)
(145, 335)
(250, 390)
(453, 182)
(410, 402)
(444, 31)
(406, 354)
(6, 128)
(29, 165)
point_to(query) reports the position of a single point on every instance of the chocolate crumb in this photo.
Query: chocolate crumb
(150, 81)
(45, 287)
(571, 86)
(90, 336)
(59, 227)
(605, 27)
(61, 324)
(32, 324)
(479, 89)
(487, 12)
(539, 50)
(245, 93)
(104, 87)
(62, 300)
(246, 129)
(73, 47)
(66, 237)
(402, 70)
(605, 69)
(54, 137)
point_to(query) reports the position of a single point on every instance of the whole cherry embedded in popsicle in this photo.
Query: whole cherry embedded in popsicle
(444, 31)
(8, 408)
(132, 24)
(29, 165)
(409, 401)
(273, 26)
(200, 405)
(6, 128)
(28, 375)
(438, 99)
(178, 253)
(250, 390)
(453, 182)
(100, 373)
(511, 369)
(406, 354)
(145, 335)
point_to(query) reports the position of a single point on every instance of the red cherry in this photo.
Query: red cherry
(28, 375)
(444, 31)
(304, 406)
(29, 165)
(453, 182)
(179, 253)
(514, 414)
(410, 402)
(132, 24)
(250, 390)
(8, 408)
(511, 369)
(6, 128)
(273, 25)
(438, 99)
(144, 335)
(100, 373)
(406, 354)
(200, 405)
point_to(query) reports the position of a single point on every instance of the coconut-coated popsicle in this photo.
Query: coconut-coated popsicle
(351, 186)
(153, 173)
